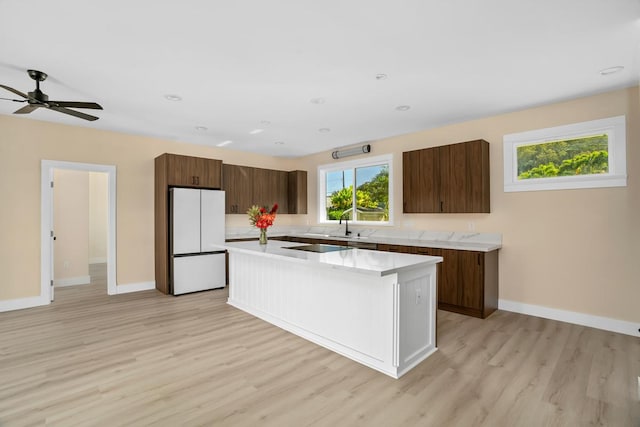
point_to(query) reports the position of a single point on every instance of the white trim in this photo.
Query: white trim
(135, 287)
(21, 303)
(614, 127)
(46, 206)
(357, 163)
(98, 260)
(598, 322)
(72, 281)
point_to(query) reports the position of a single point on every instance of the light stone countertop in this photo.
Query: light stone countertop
(362, 261)
(466, 241)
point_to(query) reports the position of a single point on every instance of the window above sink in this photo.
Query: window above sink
(359, 191)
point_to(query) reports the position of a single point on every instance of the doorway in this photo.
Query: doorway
(49, 169)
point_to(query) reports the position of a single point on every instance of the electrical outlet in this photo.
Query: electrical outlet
(471, 225)
(66, 264)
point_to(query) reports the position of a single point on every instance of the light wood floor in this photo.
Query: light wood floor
(150, 359)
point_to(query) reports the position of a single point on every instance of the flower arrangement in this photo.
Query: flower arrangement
(260, 218)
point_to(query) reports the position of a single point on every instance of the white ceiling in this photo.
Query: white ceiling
(255, 64)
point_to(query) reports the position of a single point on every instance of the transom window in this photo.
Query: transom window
(580, 155)
(358, 190)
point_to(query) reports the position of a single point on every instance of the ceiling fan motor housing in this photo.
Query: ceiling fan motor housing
(37, 97)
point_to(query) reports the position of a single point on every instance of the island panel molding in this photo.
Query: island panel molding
(384, 318)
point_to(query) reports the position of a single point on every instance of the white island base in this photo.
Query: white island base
(376, 308)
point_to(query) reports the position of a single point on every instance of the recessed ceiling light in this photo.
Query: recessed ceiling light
(381, 76)
(324, 130)
(611, 70)
(279, 142)
(318, 100)
(223, 143)
(403, 107)
(265, 122)
(256, 131)
(173, 97)
(201, 128)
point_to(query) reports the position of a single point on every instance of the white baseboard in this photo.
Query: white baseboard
(20, 303)
(72, 281)
(98, 260)
(135, 287)
(598, 322)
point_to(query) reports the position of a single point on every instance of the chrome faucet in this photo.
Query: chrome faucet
(346, 225)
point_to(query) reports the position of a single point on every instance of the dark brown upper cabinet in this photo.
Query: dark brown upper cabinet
(448, 179)
(237, 182)
(246, 186)
(188, 171)
(271, 186)
(297, 192)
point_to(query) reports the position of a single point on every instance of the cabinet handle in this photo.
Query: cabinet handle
(197, 180)
(479, 260)
(441, 206)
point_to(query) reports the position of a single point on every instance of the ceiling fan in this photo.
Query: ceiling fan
(37, 99)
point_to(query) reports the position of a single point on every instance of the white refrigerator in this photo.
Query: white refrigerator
(196, 226)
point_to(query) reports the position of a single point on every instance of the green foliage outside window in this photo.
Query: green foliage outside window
(580, 156)
(372, 200)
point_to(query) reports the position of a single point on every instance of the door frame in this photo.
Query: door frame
(46, 225)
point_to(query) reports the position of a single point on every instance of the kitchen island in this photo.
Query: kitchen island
(376, 308)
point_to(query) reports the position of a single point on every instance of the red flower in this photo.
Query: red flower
(260, 218)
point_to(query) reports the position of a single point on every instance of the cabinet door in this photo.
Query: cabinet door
(182, 170)
(477, 185)
(237, 183)
(420, 181)
(464, 177)
(297, 192)
(471, 288)
(188, 171)
(453, 178)
(448, 280)
(411, 191)
(209, 172)
(429, 181)
(269, 187)
(461, 282)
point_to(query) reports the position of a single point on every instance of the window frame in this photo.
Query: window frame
(353, 164)
(614, 127)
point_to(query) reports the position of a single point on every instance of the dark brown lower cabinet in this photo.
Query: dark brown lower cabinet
(467, 280)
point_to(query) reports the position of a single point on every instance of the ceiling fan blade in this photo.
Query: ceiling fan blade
(73, 113)
(17, 92)
(72, 104)
(27, 109)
